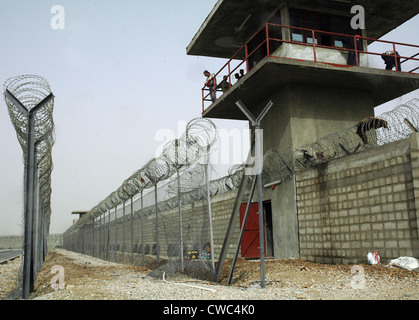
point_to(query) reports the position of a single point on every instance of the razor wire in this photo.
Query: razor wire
(402, 121)
(190, 148)
(194, 194)
(391, 126)
(174, 186)
(177, 156)
(30, 105)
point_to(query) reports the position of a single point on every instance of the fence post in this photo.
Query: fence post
(206, 168)
(157, 226)
(29, 210)
(177, 165)
(142, 230)
(30, 233)
(114, 240)
(108, 248)
(132, 233)
(100, 236)
(258, 166)
(123, 232)
(93, 237)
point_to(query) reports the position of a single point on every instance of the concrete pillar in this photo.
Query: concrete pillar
(301, 115)
(414, 159)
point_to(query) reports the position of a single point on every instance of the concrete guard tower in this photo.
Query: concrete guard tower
(304, 56)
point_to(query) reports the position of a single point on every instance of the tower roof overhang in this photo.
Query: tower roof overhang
(232, 22)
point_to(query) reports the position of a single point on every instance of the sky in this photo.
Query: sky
(123, 87)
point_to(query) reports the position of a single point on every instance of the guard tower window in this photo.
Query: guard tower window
(256, 47)
(275, 32)
(320, 22)
(310, 23)
(338, 25)
(297, 21)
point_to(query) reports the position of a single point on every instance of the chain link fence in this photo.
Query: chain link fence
(161, 216)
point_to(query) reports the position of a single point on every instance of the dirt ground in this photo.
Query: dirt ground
(285, 279)
(78, 275)
(303, 272)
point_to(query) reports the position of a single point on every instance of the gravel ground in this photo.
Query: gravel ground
(8, 276)
(88, 278)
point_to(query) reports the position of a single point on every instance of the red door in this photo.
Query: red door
(250, 241)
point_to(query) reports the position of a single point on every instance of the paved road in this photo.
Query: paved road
(9, 254)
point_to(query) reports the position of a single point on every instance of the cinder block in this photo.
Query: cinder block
(389, 225)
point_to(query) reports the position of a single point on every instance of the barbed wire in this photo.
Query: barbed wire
(402, 121)
(388, 127)
(31, 90)
(201, 134)
(180, 172)
(22, 94)
(194, 145)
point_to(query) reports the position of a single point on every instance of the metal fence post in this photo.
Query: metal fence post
(157, 226)
(29, 210)
(179, 204)
(30, 233)
(206, 168)
(142, 230)
(132, 232)
(93, 237)
(114, 240)
(258, 172)
(123, 232)
(108, 246)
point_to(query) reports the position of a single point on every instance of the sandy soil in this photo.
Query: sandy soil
(88, 278)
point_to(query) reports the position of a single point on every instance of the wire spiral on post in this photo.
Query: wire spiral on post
(30, 90)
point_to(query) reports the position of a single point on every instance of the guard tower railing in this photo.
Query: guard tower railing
(314, 45)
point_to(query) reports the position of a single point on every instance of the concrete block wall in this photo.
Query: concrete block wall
(346, 208)
(222, 209)
(16, 242)
(361, 203)
(11, 242)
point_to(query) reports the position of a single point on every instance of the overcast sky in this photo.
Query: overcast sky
(120, 76)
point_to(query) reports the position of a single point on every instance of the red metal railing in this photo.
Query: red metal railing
(270, 43)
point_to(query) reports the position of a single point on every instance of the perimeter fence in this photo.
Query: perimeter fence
(166, 200)
(161, 216)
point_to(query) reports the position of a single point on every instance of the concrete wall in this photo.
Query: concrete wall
(301, 115)
(16, 242)
(11, 242)
(305, 52)
(361, 203)
(336, 212)
(195, 231)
